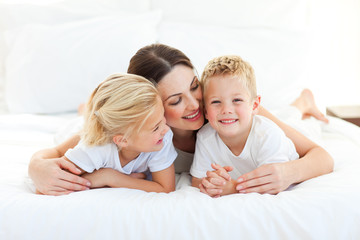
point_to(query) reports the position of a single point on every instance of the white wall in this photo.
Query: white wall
(335, 59)
(333, 64)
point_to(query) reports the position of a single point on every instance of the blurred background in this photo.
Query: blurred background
(53, 53)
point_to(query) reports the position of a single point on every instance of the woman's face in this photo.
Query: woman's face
(181, 94)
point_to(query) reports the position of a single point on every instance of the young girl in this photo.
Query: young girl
(125, 132)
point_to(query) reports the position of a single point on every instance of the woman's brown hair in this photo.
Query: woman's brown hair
(154, 61)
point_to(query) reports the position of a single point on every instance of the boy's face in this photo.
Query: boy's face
(229, 108)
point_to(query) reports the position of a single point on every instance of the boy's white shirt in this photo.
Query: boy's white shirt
(107, 156)
(266, 143)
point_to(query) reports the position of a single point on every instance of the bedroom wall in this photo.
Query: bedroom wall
(334, 72)
(292, 44)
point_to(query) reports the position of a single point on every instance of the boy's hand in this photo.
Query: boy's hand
(215, 182)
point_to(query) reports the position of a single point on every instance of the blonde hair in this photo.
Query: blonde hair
(119, 105)
(233, 66)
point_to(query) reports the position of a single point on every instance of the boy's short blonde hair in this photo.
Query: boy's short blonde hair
(119, 105)
(230, 65)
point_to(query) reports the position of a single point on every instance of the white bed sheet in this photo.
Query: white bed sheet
(326, 207)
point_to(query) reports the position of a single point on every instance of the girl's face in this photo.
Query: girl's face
(150, 137)
(181, 94)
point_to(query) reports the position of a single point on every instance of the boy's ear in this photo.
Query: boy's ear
(120, 141)
(256, 104)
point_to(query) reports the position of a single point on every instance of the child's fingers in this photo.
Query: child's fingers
(215, 179)
(228, 168)
(221, 171)
(202, 189)
(212, 192)
(207, 184)
(218, 167)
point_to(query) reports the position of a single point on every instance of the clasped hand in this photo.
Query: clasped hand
(268, 178)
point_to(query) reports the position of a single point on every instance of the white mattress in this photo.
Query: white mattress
(325, 207)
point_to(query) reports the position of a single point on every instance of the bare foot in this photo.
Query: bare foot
(306, 104)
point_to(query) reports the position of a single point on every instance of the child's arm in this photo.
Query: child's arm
(163, 181)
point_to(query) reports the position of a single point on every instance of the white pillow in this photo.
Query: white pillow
(279, 58)
(279, 14)
(16, 14)
(53, 69)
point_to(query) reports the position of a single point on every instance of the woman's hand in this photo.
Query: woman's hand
(269, 178)
(56, 176)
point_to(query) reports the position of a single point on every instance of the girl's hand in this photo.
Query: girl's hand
(57, 176)
(269, 178)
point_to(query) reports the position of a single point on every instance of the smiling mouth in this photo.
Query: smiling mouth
(193, 115)
(228, 121)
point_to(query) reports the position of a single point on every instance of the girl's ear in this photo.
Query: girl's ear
(120, 141)
(256, 104)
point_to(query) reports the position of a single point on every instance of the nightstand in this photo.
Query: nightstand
(350, 113)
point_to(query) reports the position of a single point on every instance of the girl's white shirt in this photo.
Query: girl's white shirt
(107, 156)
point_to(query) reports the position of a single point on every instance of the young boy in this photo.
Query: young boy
(235, 136)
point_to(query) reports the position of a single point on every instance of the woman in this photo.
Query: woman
(173, 74)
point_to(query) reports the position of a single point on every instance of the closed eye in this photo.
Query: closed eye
(195, 87)
(194, 84)
(215, 102)
(177, 102)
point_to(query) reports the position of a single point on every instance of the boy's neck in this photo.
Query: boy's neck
(236, 144)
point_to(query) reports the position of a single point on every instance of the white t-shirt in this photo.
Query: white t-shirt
(107, 156)
(266, 143)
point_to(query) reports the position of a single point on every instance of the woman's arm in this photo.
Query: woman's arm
(273, 178)
(162, 181)
(52, 174)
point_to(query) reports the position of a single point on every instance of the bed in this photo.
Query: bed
(42, 87)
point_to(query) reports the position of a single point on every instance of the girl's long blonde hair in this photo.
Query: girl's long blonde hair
(119, 105)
